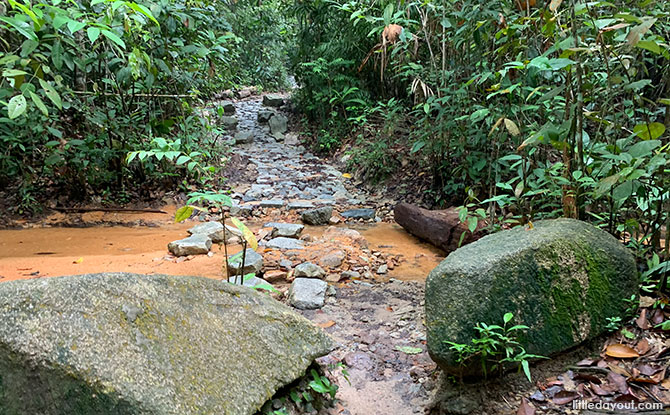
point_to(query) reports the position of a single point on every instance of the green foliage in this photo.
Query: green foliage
(526, 114)
(495, 348)
(87, 85)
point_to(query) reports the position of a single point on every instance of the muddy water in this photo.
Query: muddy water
(45, 252)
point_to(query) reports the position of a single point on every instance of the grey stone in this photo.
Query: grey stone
(359, 214)
(563, 279)
(286, 264)
(197, 346)
(309, 270)
(253, 263)
(275, 203)
(351, 274)
(285, 243)
(264, 116)
(333, 259)
(300, 205)
(307, 293)
(291, 139)
(214, 231)
(244, 137)
(193, 245)
(289, 230)
(318, 216)
(278, 124)
(228, 122)
(272, 100)
(383, 269)
(228, 107)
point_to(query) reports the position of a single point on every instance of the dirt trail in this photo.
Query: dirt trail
(377, 319)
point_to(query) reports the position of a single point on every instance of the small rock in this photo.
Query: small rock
(359, 360)
(244, 137)
(264, 116)
(289, 230)
(383, 269)
(318, 216)
(278, 124)
(333, 278)
(307, 293)
(291, 139)
(272, 100)
(228, 107)
(274, 275)
(228, 122)
(285, 243)
(300, 205)
(351, 275)
(366, 214)
(309, 270)
(193, 245)
(275, 203)
(244, 93)
(334, 220)
(253, 263)
(214, 231)
(333, 259)
(286, 264)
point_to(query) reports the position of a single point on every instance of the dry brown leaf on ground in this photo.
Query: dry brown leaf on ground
(526, 408)
(565, 397)
(621, 351)
(329, 323)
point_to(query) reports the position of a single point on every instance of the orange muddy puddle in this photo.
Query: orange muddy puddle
(53, 251)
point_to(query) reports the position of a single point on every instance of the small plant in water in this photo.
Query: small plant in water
(221, 201)
(496, 348)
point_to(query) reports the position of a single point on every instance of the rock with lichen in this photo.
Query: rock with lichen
(146, 344)
(563, 279)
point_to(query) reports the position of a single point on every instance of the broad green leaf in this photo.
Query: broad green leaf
(142, 10)
(16, 106)
(20, 26)
(114, 38)
(650, 131)
(75, 26)
(183, 213)
(650, 45)
(182, 159)
(39, 103)
(93, 33)
(508, 317)
(643, 148)
(246, 233)
(51, 93)
(10, 73)
(623, 191)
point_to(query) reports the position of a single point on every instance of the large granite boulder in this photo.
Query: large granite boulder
(442, 228)
(563, 279)
(135, 344)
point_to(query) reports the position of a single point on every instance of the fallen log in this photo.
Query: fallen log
(101, 209)
(441, 228)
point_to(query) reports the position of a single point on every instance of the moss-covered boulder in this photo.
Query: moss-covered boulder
(563, 279)
(135, 344)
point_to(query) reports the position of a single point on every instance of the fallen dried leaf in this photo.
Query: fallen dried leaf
(329, 323)
(588, 377)
(621, 351)
(602, 390)
(619, 381)
(525, 408)
(642, 347)
(586, 362)
(565, 397)
(642, 321)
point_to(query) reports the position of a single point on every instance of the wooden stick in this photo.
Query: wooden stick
(66, 209)
(137, 95)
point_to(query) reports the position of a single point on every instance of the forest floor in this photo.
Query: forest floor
(374, 312)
